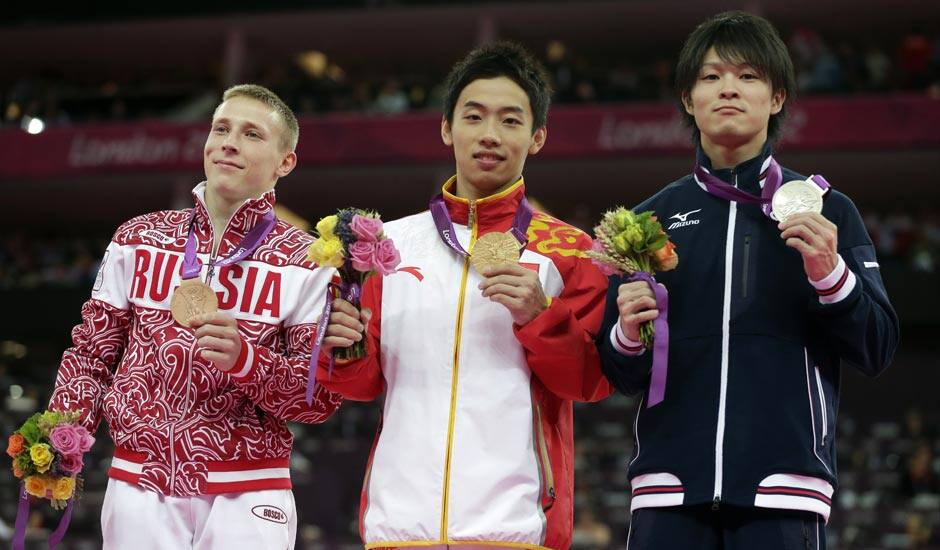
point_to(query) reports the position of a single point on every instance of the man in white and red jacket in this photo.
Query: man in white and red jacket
(197, 415)
(479, 370)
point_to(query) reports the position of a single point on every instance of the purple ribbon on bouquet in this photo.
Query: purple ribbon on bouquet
(774, 179)
(445, 226)
(351, 292)
(660, 339)
(22, 517)
(249, 243)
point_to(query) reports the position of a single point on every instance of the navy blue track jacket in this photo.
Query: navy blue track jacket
(752, 391)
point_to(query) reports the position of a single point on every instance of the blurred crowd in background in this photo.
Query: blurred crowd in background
(312, 84)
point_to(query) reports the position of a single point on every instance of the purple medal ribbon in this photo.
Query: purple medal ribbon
(351, 292)
(250, 242)
(445, 226)
(22, 515)
(715, 186)
(660, 340)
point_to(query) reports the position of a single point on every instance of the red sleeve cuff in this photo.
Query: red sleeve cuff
(245, 364)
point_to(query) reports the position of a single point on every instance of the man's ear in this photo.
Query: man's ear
(538, 140)
(687, 102)
(446, 136)
(287, 165)
(777, 101)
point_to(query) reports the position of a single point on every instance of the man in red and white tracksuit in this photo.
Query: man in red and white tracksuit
(197, 415)
(479, 370)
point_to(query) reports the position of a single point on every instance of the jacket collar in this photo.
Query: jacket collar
(245, 217)
(495, 212)
(749, 174)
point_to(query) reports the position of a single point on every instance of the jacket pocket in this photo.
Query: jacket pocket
(823, 412)
(544, 460)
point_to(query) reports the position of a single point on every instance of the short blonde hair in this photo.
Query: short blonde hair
(260, 93)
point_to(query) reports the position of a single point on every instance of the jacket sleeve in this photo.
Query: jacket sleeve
(276, 379)
(629, 373)
(559, 343)
(98, 343)
(856, 314)
(360, 379)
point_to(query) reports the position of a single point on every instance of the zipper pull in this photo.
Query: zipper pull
(716, 503)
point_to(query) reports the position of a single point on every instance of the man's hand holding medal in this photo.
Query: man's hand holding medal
(816, 239)
(495, 256)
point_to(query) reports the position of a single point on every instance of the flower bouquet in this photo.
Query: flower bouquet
(354, 242)
(47, 456)
(633, 244)
(627, 244)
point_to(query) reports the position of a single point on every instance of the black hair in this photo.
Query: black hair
(496, 59)
(742, 38)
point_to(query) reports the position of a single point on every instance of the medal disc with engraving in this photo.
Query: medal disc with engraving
(494, 249)
(191, 299)
(796, 197)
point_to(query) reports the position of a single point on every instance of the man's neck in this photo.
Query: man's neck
(466, 190)
(729, 155)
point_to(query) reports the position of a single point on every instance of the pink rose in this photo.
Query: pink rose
(71, 464)
(366, 228)
(386, 257)
(66, 439)
(87, 439)
(361, 252)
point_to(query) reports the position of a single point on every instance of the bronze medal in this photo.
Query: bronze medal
(494, 249)
(191, 299)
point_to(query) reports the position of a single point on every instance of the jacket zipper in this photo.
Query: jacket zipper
(546, 461)
(725, 349)
(747, 256)
(471, 222)
(822, 407)
(192, 351)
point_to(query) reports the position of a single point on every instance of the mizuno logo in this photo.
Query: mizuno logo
(683, 219)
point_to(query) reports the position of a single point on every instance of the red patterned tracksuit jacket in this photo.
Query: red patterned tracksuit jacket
(180, 426)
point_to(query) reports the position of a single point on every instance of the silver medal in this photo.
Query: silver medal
(796, 197)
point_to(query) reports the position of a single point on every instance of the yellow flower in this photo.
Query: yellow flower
(36, 486)
(326, 252)
(41, 456)
(63, 488)
(326, 225)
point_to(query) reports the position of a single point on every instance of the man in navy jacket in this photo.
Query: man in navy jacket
(740, 453)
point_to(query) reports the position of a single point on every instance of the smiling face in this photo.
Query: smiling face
(244, 154)
(491, 135)
(732, 104)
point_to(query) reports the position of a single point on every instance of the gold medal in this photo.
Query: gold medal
(796, 197)
(494, 249)
(191, 299)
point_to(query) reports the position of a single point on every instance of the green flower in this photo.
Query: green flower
(623, 218)
(30, 430)
(634, 237)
